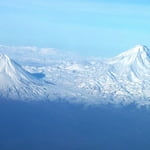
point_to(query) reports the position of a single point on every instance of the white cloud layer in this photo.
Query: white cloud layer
(34, 55)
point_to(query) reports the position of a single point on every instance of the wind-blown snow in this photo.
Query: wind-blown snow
(123, 79)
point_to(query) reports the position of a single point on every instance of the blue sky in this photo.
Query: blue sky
(88, 27)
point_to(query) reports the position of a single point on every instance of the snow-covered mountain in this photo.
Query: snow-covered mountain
(121, 79)
(18, 84)
(134, 63)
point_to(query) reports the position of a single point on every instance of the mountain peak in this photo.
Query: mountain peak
(15, 82)
(140, 48)
(10, 69)
(3, 57)
(139, 54)
(139, 51)
(136, 51)
(6, 64)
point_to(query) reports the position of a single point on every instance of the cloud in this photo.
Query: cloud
(28, 55)
(48, 51)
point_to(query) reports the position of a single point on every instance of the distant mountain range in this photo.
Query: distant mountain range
(46, 74)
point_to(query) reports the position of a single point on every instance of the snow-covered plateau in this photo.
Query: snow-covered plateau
(46, 74)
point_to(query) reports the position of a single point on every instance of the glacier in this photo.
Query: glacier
(123, 79)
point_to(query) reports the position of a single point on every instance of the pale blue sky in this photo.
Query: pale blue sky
(89, 27)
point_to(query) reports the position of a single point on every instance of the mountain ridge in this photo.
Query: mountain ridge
(121, 79)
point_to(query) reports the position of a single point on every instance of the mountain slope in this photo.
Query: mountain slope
(18, 84)
(134, 63)
(15, 82)
(122, 79)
